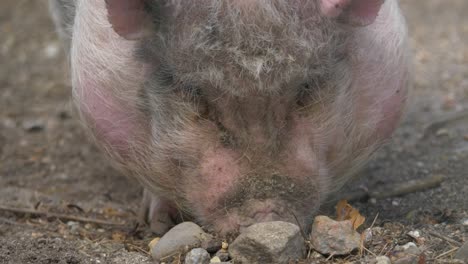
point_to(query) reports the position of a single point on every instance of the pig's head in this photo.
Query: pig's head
(249, 103)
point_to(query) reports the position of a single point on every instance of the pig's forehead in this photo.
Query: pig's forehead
(200, 9)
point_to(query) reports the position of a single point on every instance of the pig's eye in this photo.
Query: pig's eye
(303, 97)
(313, 92)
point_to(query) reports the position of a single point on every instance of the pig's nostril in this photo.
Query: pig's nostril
(226, 138)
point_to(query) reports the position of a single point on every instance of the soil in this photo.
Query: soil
(47, 162)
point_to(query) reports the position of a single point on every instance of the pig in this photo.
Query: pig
(235, 112)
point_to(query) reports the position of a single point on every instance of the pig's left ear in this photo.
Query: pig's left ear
(354, 12)
(129, 18)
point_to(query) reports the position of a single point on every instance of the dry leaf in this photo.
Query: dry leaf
(111, 212)
(118, 236)
(345, 211)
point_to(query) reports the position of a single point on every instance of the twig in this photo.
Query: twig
(59, 216)
(409, 187)
(446, 253)
(368, 251)
(383, 248)
(400, 189)
(363, 236)
(303, 233)
(375, 220)
(444, 121)
(448, 239)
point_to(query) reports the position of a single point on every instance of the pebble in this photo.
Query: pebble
(215, 259)
(180, 238)
(383, 260)
(52, 50)
(33, 125)
(462, 252)
(224, 245)
(74, 226)
(268, 242)
(406, 254)
(197, 256)
(465, 222)
(334, 237)
(420, 164)
(367, 236)
(414, 234)
(442, 132)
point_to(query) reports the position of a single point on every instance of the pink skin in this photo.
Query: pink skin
(334, 8)
(362, 12)
(127, 17)
(112, 119)
(379, 99)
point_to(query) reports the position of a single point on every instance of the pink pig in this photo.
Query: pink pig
(234, 112)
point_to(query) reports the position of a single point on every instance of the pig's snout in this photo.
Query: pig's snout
(237, 219)
(235, 197)
(266, 211)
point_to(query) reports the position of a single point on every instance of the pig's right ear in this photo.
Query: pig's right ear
(354, 12)
(129, 18)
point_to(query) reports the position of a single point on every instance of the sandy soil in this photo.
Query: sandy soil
(47, 163)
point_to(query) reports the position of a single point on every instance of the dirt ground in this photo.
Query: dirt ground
(48, 164)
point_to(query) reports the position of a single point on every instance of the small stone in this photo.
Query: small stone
(414, 234)
(74, 226)
(180, 238)
(462, 252)
(442, 132)
(197, 256)
(373, 201)
(383, 260)
(215, 259)
(409, 247)
(367, 236)
(268, 242)
(406, 254)
(52, 50)
(465, 137)
(33, 125)
(223, 255)
(395, 203)
(465, 222)
(334, 237)
(224, 245)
